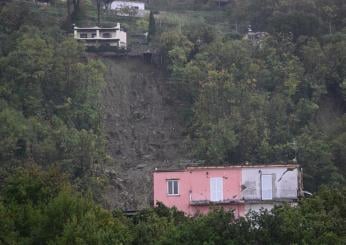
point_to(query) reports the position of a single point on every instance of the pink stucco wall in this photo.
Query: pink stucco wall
(194, 184)
(160, 190)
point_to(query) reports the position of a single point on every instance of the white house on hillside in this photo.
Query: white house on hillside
(126, 8)
(255, 37)
(99, 36)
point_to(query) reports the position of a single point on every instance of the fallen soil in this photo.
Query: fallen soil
(143, 131)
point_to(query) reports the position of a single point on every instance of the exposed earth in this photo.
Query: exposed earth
(143, 130)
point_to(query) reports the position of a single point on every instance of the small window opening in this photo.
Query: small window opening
(173, 187)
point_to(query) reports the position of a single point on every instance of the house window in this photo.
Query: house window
(267, 186)
(173, 187)
(83, 35)
(216, 189)
(93, 35)
(106, 35)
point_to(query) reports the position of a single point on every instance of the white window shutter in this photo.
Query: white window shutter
(212, 189)
(170, 191)
(267, 186)
(175, 189)
(216, 189)
(220, 189)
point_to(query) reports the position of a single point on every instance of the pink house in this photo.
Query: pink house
(241, 188)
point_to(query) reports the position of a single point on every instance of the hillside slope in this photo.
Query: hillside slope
(143, 130)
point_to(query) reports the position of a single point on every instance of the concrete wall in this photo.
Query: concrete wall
(122, 36)
(256, 207)
(180, 201)
(93, 35)
(97, 34)
(239, 183)
(123, 4)
(200, 188)
(200, 182)
(194, 185)
(285, 183)
(238, 209)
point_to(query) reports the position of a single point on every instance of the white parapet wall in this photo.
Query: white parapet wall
(270, 183)
(95, 36)
(117, 5)
(122, 36)
(266, 186)
(125, 8)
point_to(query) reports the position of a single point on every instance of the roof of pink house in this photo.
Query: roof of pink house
(197, 167)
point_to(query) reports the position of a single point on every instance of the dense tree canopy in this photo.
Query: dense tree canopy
(45, 210)
(40, 207)
(49, 95)
(299, 17)
(281, 98)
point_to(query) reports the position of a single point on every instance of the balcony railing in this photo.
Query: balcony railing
(208, 202)
(240, 201)
(274, 200)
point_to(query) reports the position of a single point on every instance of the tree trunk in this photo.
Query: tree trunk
(68, 2)
(98, 3)
(76, 9)
(76, 5)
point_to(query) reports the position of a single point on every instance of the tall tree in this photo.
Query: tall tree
(98, 5)
(107, 3)
(152, 26)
